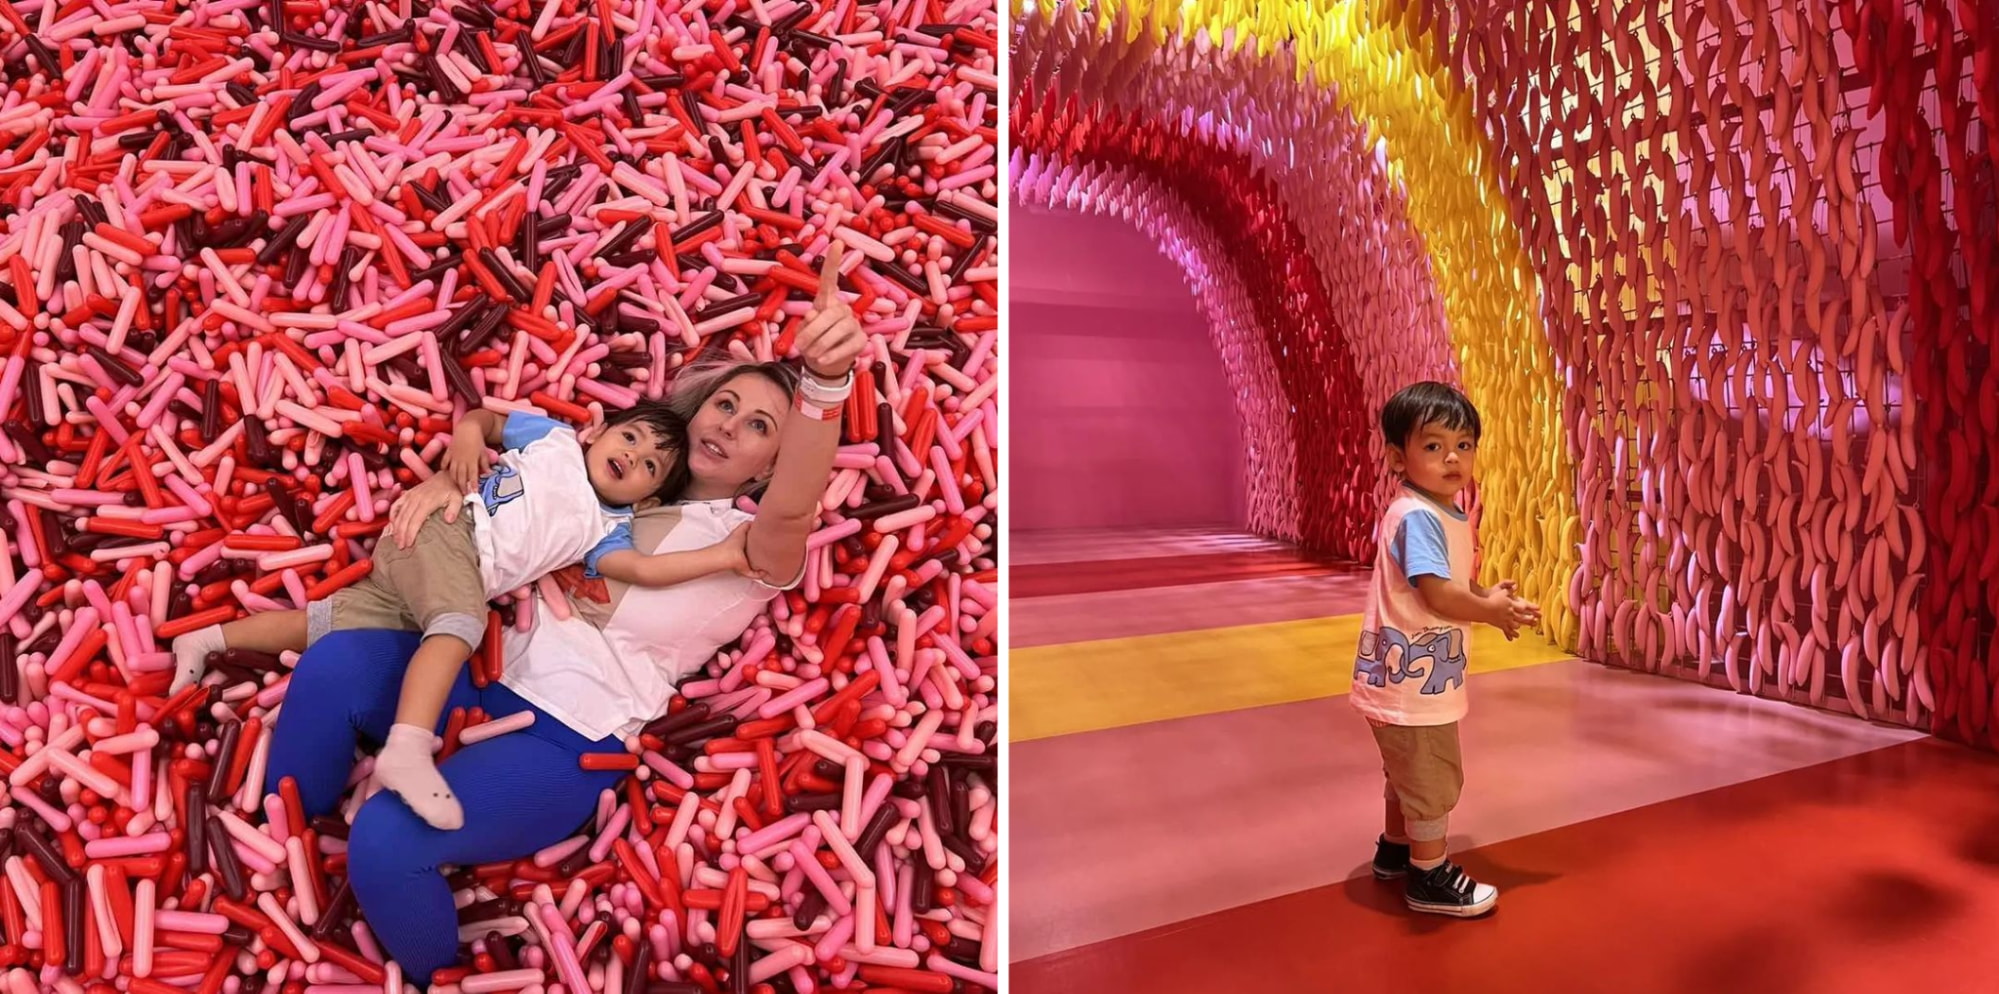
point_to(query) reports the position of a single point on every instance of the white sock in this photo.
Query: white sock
(191, 656)
(1426, 864)
(404, 766)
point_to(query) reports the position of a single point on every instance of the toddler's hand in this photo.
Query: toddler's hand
(1526, 613)
(1516, 612)
(736, 550)
(1507, 612)
(464, 462)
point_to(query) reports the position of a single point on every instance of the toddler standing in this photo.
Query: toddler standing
(1409, 676)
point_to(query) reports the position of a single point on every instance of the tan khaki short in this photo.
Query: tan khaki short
(1425, 773)
(433, 587)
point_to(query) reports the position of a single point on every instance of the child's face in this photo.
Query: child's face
(628, 463)
(1438, 460)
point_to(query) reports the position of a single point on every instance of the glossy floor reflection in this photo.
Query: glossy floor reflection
(1876, 872)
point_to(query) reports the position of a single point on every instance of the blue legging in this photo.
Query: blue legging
(521, 791)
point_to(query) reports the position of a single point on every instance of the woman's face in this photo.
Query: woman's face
(732, 439)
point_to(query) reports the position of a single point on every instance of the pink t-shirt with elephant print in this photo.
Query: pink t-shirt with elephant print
(1410, 669)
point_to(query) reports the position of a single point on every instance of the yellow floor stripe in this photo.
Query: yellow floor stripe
(1087, 686)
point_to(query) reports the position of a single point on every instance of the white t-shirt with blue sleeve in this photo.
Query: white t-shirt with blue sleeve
(536, 512)
(1410, 667)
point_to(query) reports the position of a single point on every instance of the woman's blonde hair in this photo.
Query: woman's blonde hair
(696, 382)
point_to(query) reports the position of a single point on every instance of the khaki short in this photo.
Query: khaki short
(1425, 774)
(433, 587)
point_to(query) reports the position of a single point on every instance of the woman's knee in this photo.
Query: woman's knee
(387, 841)
(314, 677)
(353, 670)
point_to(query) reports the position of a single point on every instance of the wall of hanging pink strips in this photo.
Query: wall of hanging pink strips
(1301, 313)
(1772, 330)
(1788, 406)
(254, 257)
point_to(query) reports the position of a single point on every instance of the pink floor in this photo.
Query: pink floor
(1875, 873)
(1135, 828)
(1028, 548)
(1163, 610)
(1131, 828)
(1104, 614)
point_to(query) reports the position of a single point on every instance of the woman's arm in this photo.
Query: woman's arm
(830, 340)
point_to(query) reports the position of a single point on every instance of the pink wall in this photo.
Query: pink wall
(1119, 415)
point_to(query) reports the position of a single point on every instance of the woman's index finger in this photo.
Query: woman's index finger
(829, 273)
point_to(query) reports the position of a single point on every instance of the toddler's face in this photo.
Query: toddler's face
(1438, 460)
(628, 463)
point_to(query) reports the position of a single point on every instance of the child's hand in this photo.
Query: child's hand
(464, 462)
(1511, 612)
(736, 551)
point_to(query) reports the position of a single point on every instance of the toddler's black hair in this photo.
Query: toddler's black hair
(672, 429)
(1426, 403)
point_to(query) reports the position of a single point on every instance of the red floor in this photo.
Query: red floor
(1877, 872)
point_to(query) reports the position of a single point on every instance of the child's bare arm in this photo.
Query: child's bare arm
(1457, 601)
(669, 568)
(1498, 606)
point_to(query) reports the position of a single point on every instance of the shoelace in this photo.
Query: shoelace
(1456, 881)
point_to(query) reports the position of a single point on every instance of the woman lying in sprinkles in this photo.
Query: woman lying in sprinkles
(575, 686)
(554, 498)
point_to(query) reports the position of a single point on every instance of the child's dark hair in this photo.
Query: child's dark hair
(672, 429)
(1426, 403)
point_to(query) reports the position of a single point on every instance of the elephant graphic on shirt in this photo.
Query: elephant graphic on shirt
(1366, 667)
(502, 486)
(1389, 656)
(1447, 651)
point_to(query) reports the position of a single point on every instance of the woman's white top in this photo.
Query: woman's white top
(613, 665)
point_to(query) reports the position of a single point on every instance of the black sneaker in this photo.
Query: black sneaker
(1391, 859)
(1449, 890)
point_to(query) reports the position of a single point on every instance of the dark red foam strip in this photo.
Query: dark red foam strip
(1953, 370)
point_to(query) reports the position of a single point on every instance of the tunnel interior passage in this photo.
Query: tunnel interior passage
(1125, 419)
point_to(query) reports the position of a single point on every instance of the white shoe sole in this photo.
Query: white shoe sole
(1455, 910)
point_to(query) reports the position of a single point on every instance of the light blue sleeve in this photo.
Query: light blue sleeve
(522, 429)
(620, 538)
(1420, 546)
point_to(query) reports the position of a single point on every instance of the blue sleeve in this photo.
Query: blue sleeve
(620, 538)
(1420, 546)
(521, 429)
